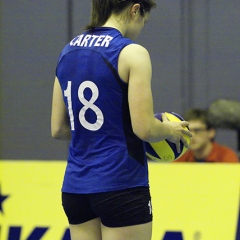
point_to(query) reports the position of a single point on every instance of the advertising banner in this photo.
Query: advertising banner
(195, 201)
(190, 201)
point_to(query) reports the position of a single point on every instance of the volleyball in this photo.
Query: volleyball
(166, 151)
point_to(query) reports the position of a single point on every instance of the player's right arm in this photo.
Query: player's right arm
(60, 128)
(135, 68)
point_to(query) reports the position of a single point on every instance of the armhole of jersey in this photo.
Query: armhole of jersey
(135, 145)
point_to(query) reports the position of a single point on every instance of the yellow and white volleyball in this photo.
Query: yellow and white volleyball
(166, 151)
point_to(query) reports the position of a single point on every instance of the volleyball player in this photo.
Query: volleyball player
(102, 102)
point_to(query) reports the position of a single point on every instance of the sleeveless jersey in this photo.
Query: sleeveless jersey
(104, 153)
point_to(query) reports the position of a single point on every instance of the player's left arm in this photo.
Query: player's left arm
(60, 128)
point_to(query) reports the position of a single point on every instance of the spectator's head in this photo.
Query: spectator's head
(203, 132)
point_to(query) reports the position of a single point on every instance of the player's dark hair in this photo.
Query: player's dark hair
(102, 9)
(198, 114)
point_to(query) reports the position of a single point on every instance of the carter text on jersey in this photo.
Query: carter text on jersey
(91, 40)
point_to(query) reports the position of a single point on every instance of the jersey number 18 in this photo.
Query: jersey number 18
(86, 105)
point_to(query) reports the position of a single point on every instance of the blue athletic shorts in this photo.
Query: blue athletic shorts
(115, 209)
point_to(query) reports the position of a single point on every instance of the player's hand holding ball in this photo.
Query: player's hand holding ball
(180, 131)
(174, 146)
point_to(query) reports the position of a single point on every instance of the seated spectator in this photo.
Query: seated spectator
(202, 147)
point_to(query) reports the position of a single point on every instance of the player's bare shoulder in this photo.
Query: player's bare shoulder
(134, 54)
(132, 57)
(134, 51)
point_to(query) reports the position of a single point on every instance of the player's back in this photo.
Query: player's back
(96, 98)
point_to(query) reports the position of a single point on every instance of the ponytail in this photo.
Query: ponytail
(100, 13)
(102, 10)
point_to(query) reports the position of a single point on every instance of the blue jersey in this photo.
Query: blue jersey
(104, 153)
